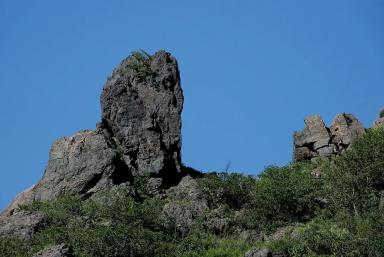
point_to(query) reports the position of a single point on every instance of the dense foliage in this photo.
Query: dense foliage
(335, 208)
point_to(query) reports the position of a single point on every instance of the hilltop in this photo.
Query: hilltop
(123, 190)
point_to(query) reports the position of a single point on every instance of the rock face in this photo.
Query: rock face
(139, 135)
(317, 140)
(186, 206)
(21, 224)
(379, 123)
(141, 108)
(81, 164)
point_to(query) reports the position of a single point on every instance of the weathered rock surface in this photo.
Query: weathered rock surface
(317, 140)
(185, 207)
(379, 123)
(55, 251)
(21, 199)
(21, 224)
(142, 111)
(344, 129)
(257, 252)
(81, 164)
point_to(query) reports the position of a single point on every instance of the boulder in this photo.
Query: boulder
(54, 251)
(185, 206)
(379, 123)
(313, 141)
(21, 224)
(261, 252)
(345, 128)
(318, 134)
(180, 216)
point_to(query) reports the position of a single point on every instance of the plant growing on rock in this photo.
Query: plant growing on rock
(140, 62)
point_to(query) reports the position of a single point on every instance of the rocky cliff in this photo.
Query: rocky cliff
(139, 136)
(135, 149)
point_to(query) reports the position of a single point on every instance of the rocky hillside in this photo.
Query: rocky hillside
(122, 190)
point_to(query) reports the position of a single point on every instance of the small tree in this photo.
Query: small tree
(381, 115)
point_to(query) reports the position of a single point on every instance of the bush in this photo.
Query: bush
(356, 182)
(13, 247)
(231, 189)
(139, 61)
(342, 236)
(115, 225)
(381, 115)
(284, 195)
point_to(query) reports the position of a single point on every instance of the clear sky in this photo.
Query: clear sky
(251, 71)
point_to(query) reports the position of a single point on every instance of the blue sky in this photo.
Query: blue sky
(251, 71)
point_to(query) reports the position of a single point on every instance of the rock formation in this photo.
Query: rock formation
(138, 137)
(379, 123)
(141, 108)
(316, 140)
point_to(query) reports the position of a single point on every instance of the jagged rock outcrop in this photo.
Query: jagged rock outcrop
(139, 136)
(81, 164)
(317, 140)
(378, 123)
(141, 108)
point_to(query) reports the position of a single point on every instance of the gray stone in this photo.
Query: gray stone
(217, 225)
(142, 111)
(21, 199)
(185, 206)
(54, 251)
(326, 151)
(345, 128)
(260, 252)
(318, 134)
(378, 123)
(81, 164)
(316, 141)
(303, 153)
(300, 137)
(180, 216)
(21, 224)
(187, 189)
(140, 134)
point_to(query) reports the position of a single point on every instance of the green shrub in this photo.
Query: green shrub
(116, 225)
(13, 247)
(139, 61)
(226, 188)
(356, 182)
(381, 115)
(343, 236)
(199, 243)
(284, 195)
